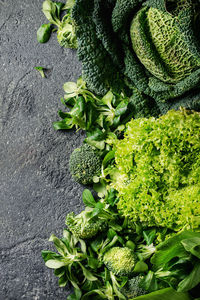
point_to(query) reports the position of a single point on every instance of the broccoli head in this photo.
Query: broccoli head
(84, 164)
(120, 260)
(132, 288)
(82, 226)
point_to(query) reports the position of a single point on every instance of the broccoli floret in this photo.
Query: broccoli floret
(84, 164)
(132, 288)
(82, 226)
(120, 260)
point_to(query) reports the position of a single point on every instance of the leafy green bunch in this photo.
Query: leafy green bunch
(65, 26)
(81, 259)
(125, 261)
(157, 172)
(152, 46)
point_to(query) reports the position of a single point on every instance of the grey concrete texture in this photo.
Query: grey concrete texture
(35, 184)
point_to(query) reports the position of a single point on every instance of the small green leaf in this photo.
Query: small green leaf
(191, 280)
(70, 88)
(192, 245)
(107, 99)
(98, 144)
(111, 233)
(55, 263)
(83, 246)
(131, 245)
(59, 272)
(62, 282)
(150, 282)
(76, 295)
(59, 7)
(93, 262)
(97, 244)
(88, 275)
(109, 156)
(64, 124)
(69, 4)
(121, 108)
(140, 267)
(149, 236)
(60, 246)
(96, 134)
(64, 115)
(88, 199)
(96, 291)
(46, 255)
(41, 71)
(44, 33)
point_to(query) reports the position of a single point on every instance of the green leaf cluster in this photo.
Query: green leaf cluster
(178, 259)
(103, 118)
(122, 262)
(65, 25)
(157, 172)
(79, 261)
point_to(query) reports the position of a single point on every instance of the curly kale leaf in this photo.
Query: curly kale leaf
(99, 70)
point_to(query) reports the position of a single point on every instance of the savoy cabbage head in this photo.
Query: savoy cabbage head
(157, 172)
(152, 46)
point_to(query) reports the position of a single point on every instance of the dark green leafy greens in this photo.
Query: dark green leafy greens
(165, 64)
(179, 256)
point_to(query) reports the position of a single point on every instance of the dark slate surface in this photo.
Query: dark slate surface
(36, 189)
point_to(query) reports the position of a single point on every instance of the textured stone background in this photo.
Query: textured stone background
(36, 189)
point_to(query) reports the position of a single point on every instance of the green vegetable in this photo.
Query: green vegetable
(120, 261)
(44, 33)
(132, 288)
(140, 267)
(83, 226)
(157, 171)
(65, 28)
(102, 117)
(84, 164)
(164, 294)
(164, 66)
(93, 256)
(164, 53)
(179, 255)
(41, 71)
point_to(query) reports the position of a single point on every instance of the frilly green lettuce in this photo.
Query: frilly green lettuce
(157, 172)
